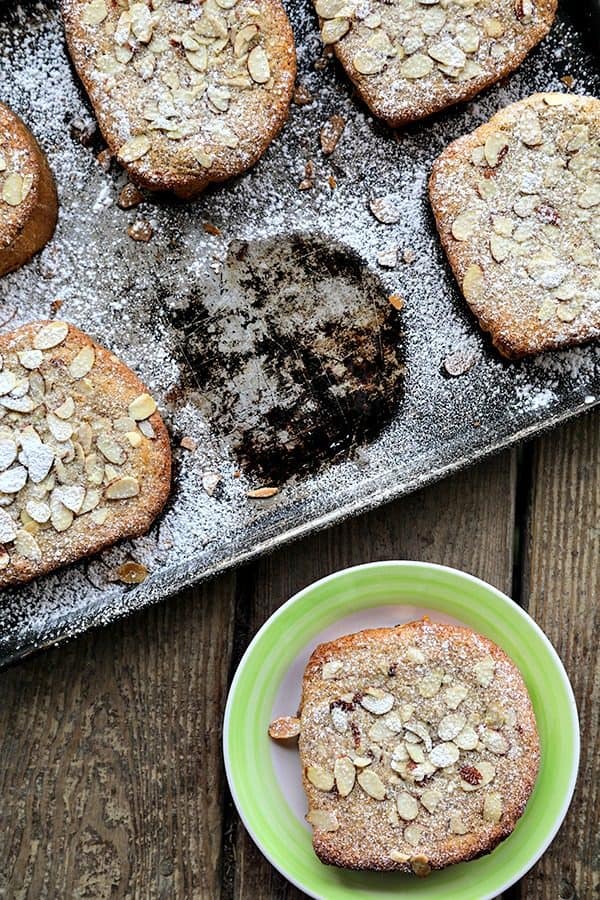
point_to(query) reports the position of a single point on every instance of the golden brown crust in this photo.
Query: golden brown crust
(398, 99)
(100, 398)
(215, 144)
(28, 202)
(479, 685)
(526, 311)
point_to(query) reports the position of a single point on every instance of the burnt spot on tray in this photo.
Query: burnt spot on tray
(294, 351)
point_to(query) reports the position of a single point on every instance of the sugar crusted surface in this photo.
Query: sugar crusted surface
(103, 278)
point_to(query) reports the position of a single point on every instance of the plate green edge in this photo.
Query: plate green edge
(283, 840)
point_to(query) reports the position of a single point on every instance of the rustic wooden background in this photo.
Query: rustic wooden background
(111, 776)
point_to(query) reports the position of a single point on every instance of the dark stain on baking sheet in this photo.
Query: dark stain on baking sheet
(296, 351)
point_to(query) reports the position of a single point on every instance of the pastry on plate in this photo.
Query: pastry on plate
(185, 93)
(28, 204)
(411, 58)
(85, 458)
(517, 207)
(418, 744)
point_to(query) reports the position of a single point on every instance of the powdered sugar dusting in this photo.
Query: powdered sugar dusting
(125, 294)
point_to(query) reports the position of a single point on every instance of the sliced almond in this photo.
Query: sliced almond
(12, 480)
(367, 62)
(94, 12)
(66, 409)
(110, 449)
(30, 359)
(8, 528)
(333, 30)
(320, 778)
(413, 835)
(492, 807)
(321, 820)
(371, 784)
(339, 719)
(50, 335)
(142, 407)
(495, 148)
(430, 684)
(484, 671)
(495, 741)
(398, 857)
(444, 755)
(486, 773)
(345, 775)
(416, 66)
(122, 488)
(135, 148)
(330, 669)
(467, 739)
(376, 701)
(83, 362)
(431, 800)
(27, 546)
(284, 728)
(465, 224)
(450, 726)
(455, 694)
(457, 826)
(408, 808)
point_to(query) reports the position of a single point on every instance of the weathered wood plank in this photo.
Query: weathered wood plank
(466, 521)
(110, 761)
(562, 590)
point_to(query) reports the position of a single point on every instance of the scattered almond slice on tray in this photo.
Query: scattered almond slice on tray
(418, 745)
(517, 207)
(411, 58)
(84, 455)
(28, 204)
(185, 93)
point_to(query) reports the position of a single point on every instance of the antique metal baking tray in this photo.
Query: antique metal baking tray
(271, 345)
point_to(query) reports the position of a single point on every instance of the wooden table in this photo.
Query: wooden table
(111, 776)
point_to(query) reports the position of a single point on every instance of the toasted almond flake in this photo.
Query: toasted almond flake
(590, 197)
(444, 755)
(134, 438)
(71, 496)
(30, 359)
(472, 282)
(465, 224)
(13, 189)
(447, 53)
(59, 429)
(466, 739)
(492, 807)
(397, 856)
(345, 775)
(333, 30)
(408, 808)
(416, 66)
(8, 453)
(320, 778)
(367, 62)
(131, 573)
(493, 27)
(457, 826)
(495, 741)
(413, 835)
(122, 488)
(377, 701)
(495, 148)
(198, 58)
(99, 516)
(484, 671)
(50, 335)
(8, 381)
(371, 784)
(430, 684)
(330, 669)
(258, 65)
(284, 728)
(430, 799)
(421, 731)
(38, 510)
(322, 820)
(529, 127)
(487, 773)
(451, 725)
(262, 493)
(135, 148)
(66, 409)
(500, 247)
(339, 719)
(12, 480)
(8, 527)
(40, 459)
(60, 516)
(27, 546)
(94, 12)
(83, 362)
(142, 407)
(111, 450)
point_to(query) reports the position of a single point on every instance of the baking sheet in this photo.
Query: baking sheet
(271, 345)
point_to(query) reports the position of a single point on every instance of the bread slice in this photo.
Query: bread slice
(517, 206)
(28, 203)
(84, 456)
(410, 59)
(419, 747)
(185, 93)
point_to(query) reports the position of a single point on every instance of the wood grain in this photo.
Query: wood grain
(466, 522)
(110, 763)
(561, 590)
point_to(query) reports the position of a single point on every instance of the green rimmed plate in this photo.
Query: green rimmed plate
(264, 778)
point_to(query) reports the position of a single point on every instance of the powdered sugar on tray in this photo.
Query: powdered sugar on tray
(284, 305)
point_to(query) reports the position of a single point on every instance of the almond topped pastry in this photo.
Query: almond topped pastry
(28, 204)
(517, 207)
(411, 58)
(84, 455)
(418, 744)
(185, 93)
